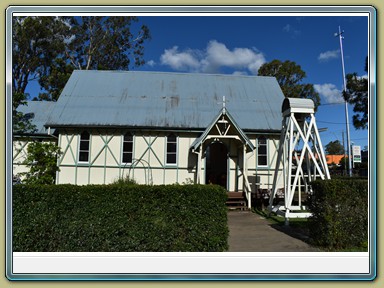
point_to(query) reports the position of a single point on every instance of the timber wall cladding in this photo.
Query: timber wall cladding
(19, 155)
(149, 166)
(105, 161)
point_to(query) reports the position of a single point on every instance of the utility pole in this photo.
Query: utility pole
(346, 104)
(345, 160)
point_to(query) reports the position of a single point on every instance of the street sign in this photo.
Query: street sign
(356, 154)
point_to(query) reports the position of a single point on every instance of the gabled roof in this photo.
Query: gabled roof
(244, 138)
(166, 100)
(38, 112)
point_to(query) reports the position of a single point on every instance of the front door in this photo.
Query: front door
(217, 164)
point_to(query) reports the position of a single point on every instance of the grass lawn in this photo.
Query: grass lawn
(298, 228)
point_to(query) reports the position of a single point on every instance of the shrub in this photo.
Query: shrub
(339, 213)
(119, 218)
(125, 181)
(42, 163)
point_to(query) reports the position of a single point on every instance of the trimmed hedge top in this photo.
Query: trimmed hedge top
(119, 218)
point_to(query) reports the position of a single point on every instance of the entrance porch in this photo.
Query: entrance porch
(222, 157)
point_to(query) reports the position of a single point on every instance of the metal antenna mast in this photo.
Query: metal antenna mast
(346, 104)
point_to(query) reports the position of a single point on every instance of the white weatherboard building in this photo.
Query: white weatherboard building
(38, 112)
(163, 128)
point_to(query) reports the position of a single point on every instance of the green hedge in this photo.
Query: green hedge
(340, 213)
(121, 218)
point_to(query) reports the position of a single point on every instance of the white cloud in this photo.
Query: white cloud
(325, 56)
(239, 73)
(291, 30)
(214, 57)
(179, 60)
(219, 55)
(151, 63)
(287, 28)
(329, 92)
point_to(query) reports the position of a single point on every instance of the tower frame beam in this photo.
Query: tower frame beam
(298, 128)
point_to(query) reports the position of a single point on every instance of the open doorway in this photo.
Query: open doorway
(216, 164)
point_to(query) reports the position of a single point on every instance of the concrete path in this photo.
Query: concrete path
(249, 232)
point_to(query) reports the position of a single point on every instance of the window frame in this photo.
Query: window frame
(265, 155)
(127, 152)
(81, 150)
(170, 153)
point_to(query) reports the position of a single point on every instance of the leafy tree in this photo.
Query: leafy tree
(344, 163)
(106, 43)
(289, 75)
(48, 49)
(334, 148)
(54, 82)
(22, 122)
(96, 43)
(42, 163)
(357, 94)
(35, 43)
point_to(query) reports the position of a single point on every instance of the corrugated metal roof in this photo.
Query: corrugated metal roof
(39, 112)
(166, 100)
(298, 103)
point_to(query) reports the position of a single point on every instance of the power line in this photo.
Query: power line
(327, 104)
(336, 123)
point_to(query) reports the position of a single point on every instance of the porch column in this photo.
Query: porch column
(244, 183)
(198, 168)
(246, 186)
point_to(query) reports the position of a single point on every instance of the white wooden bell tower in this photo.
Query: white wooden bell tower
(300, 159)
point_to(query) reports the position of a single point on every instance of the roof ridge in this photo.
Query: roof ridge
(172, 73)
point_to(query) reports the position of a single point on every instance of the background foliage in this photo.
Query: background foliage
(290, 77)
(47, 49)
(334, 148)
(357, 95)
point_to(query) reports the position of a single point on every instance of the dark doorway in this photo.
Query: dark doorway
(216, 164)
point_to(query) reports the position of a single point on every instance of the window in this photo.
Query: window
(84, 147)
(262, 159)
(171, 149)
(128, 148)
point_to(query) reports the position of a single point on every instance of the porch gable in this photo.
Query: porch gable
(223, 126)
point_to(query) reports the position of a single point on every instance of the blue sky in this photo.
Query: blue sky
(240, 44)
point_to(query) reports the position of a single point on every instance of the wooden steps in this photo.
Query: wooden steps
(236, 201)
